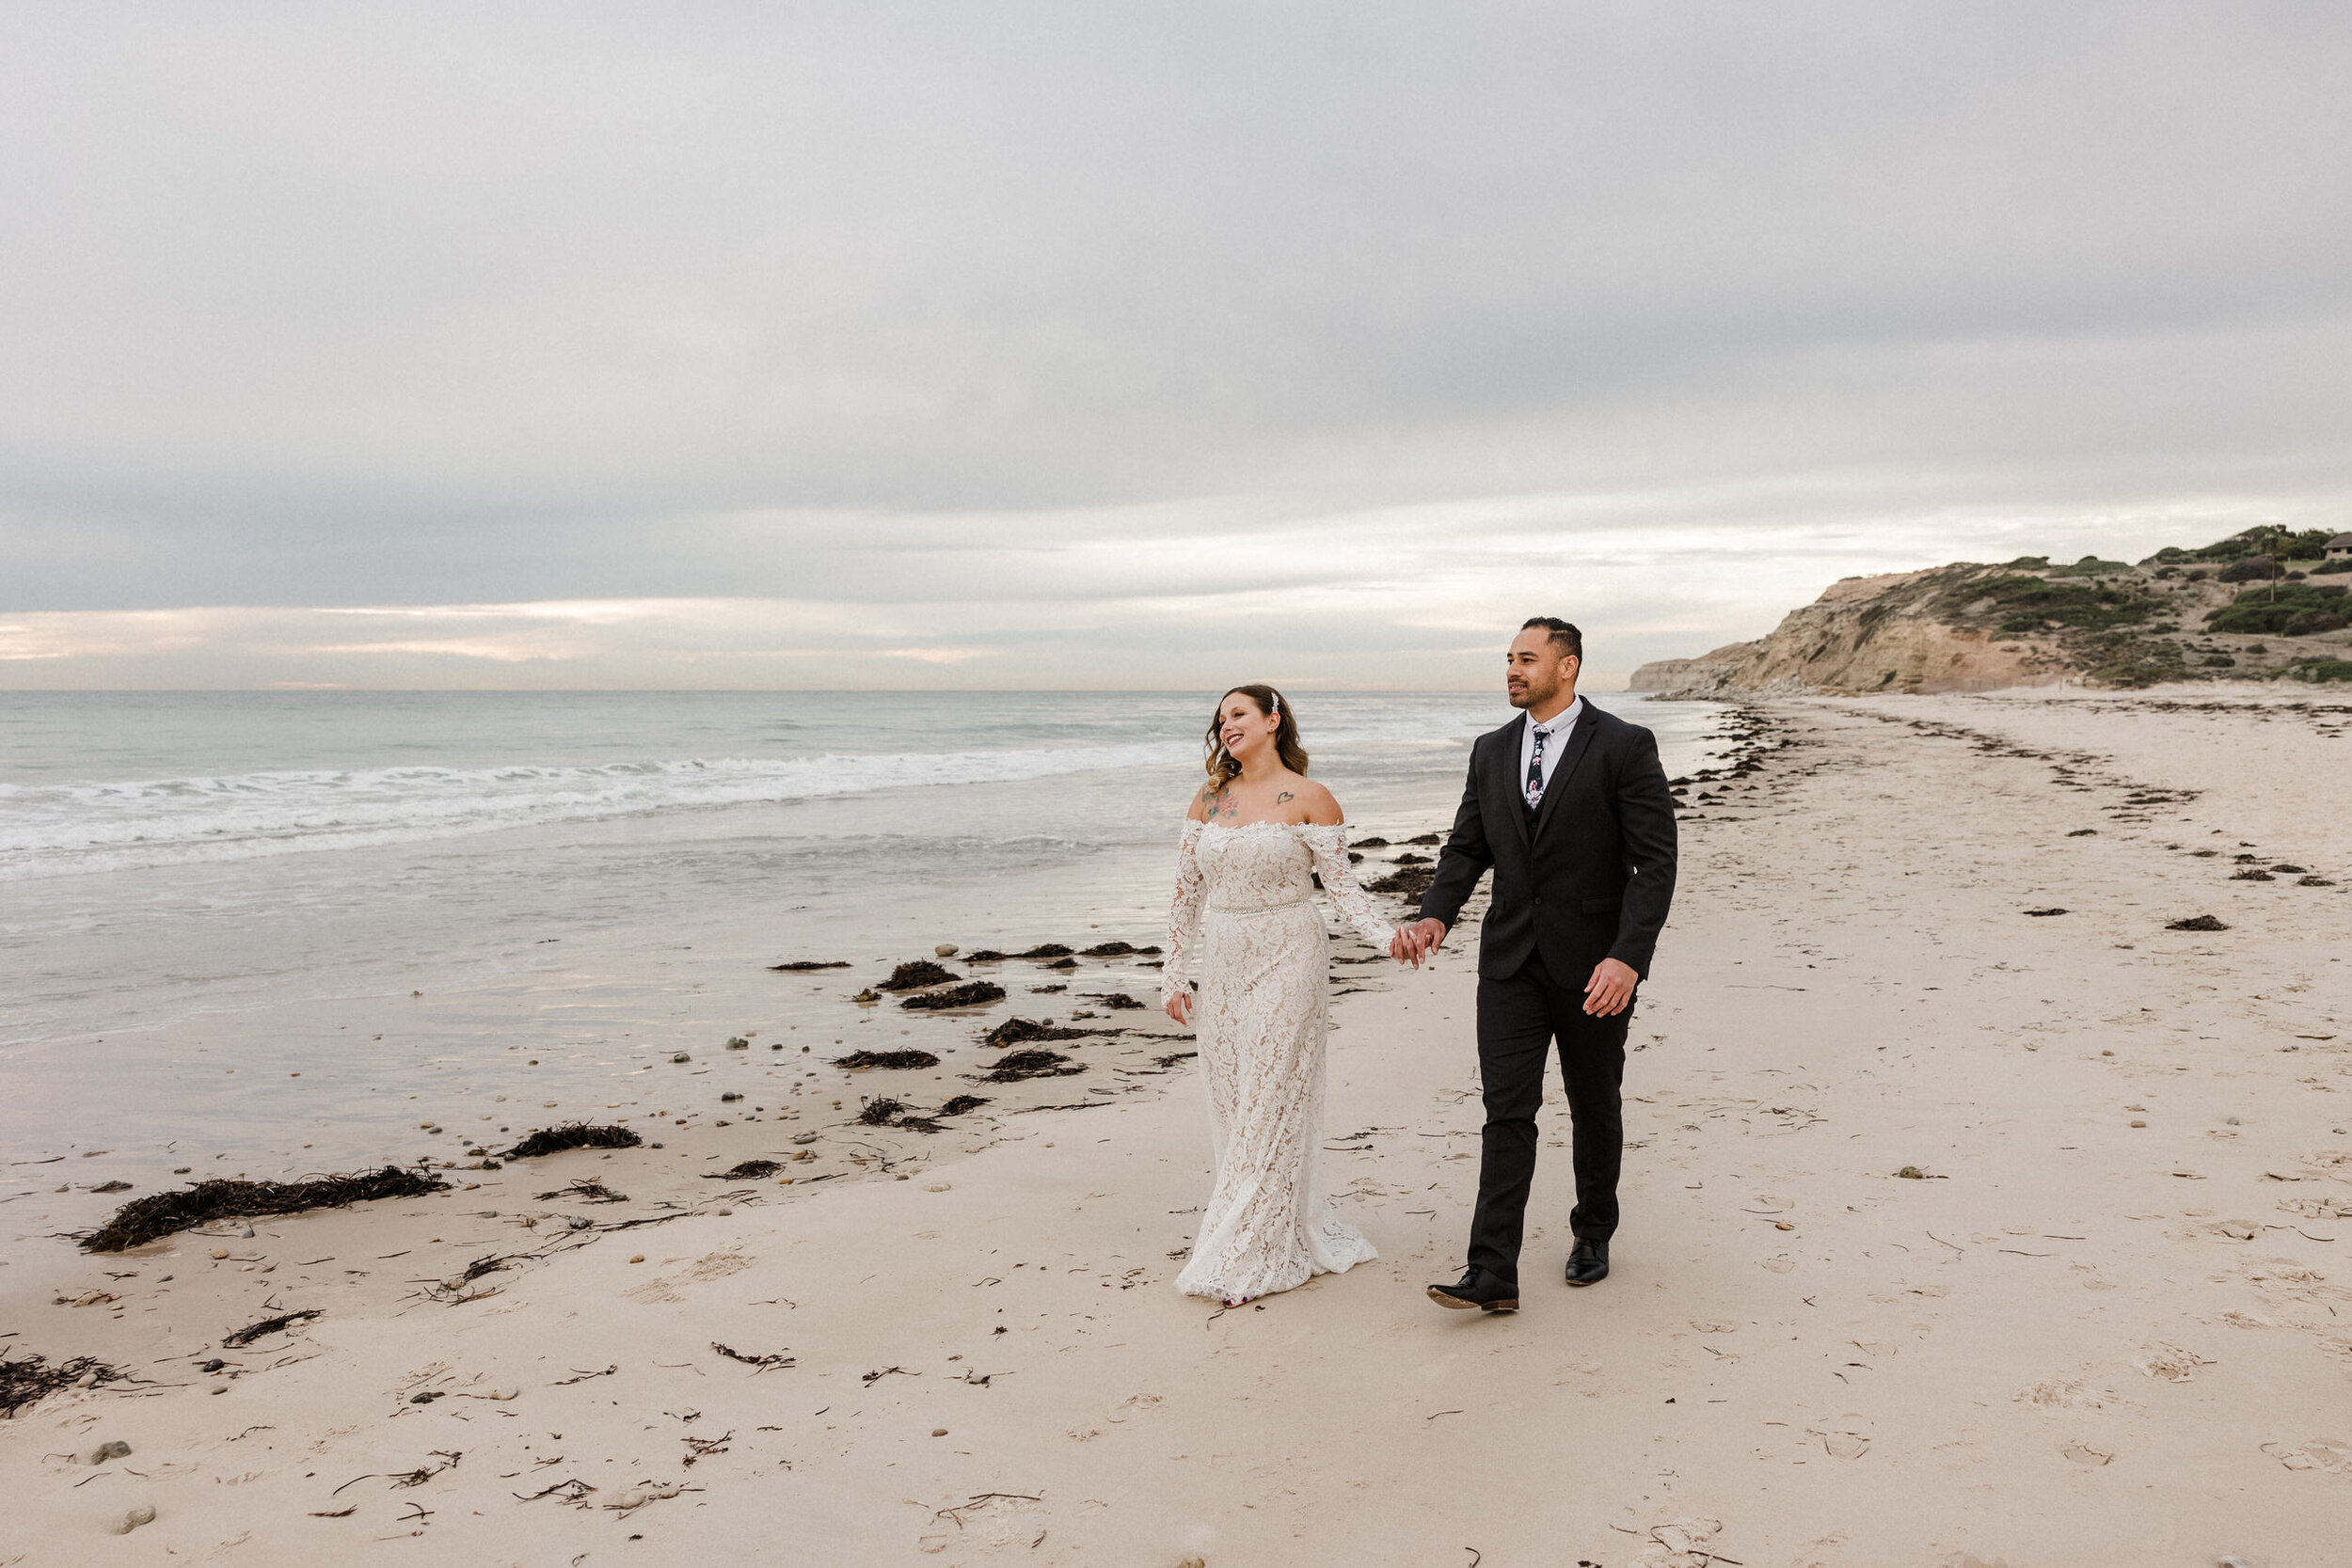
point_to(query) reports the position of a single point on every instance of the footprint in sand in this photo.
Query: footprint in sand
(2083, 1453)
(2169, 1362)
(2320, 1453)
(716, 1266)
(2067, 1393)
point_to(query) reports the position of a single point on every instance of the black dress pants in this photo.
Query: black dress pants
(1518, 1018)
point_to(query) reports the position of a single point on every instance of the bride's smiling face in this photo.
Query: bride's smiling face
(1243, 728)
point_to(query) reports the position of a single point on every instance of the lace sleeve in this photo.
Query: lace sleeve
(1329, 848)
(1183, 914)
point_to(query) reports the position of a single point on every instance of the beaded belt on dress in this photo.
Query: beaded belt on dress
(1257, 909)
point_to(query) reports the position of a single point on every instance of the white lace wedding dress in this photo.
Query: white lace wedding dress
(1244, 924)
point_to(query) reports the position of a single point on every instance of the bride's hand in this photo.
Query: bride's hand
(1179, 1006)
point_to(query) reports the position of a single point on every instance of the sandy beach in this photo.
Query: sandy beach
(1955, 1234)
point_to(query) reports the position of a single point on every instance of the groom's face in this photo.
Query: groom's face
(1537, 671)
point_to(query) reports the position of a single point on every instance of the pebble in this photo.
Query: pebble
(246, 1234)
(215, 1365)
(220, 1252)
(579, 1222)
(940, 1432)
(639, 1259)
(114, 1449)
(945, 950)
(143, 1514)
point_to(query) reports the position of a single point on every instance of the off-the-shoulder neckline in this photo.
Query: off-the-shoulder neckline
(1245, 826)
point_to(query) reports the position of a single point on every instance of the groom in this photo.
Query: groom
(1570, 807)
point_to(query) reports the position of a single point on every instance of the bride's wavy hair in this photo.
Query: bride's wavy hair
(1222, 769)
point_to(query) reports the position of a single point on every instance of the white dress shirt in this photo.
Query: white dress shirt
(1556, 741)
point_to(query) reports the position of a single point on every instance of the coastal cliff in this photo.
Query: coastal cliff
(2258, 605)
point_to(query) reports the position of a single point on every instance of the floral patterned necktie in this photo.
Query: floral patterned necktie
(1535, 769)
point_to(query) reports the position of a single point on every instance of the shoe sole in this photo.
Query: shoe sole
(1460, 1306)
(1580, 1283)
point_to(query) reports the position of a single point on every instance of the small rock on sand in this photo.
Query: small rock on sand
(142, 1514)
(114, 1449)
(945, 950)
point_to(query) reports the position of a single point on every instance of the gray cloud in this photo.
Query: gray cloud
(330, 305)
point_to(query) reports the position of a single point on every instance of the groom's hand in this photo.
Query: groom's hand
(1611, 988)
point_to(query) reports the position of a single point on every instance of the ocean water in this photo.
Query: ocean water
(203, 895)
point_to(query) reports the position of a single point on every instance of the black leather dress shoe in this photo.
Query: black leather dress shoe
(1588, 1262)
(1478, 1287)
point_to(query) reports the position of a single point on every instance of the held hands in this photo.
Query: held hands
(1414, 942)
(1610, 989)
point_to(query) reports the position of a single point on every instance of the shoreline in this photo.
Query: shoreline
(2058, 1312)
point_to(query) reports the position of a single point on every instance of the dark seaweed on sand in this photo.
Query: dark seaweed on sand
(1045, 950)
(576, 1134)
(973, 993)
(1022, 1031)
(251, 1332)
(27, 1380)
(886, 1059)
(916, 973)
(801, 965)
(2196, 923)
(585, 1192)
(1412, 882)
(1424, 838)
(985, 955)
(1174, 1058)
(1015, 1066)
(1118, 1000)
(1110, 950)
(749, 1170)
(961, 1104)
(146, 1219)
(880, 1113)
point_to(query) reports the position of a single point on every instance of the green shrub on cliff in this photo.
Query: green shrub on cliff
(2020, 604)
(2286, 609)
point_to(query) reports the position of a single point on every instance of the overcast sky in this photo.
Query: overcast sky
(1030, 344)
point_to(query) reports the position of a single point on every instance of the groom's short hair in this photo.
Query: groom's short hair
(1565, 638)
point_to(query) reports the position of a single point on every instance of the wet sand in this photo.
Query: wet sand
(2104, 1321)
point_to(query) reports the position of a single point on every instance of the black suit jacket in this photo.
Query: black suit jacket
(1589, 876)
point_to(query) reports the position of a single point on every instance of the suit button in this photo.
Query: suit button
(1539, 898)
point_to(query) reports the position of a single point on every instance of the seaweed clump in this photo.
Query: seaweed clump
(972, 993)
(576, 1134)
(856, 1059)
(2196, 923)
(749, 1170)
(28, 1380)
(801, 965)
(882, 1112)
(914, 975)
(1015, 1066)
(961, 1104)
(1110, 950)
(147, 1219)
(1412, 882)
(1045, 950)
(1022, 1031)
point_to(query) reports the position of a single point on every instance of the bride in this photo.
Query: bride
(1247, 963)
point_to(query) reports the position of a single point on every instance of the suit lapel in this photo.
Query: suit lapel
(1514, 741)
(1580, 741)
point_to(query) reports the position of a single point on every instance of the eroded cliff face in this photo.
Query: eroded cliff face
(1969, 628)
